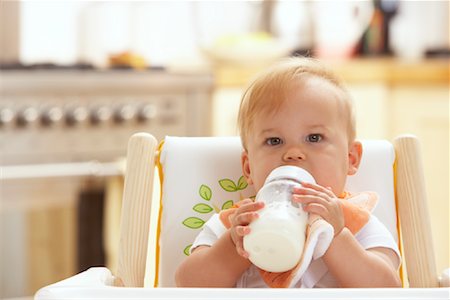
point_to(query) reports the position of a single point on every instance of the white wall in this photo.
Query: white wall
(68, 31)
(48, 31)
(420, 25)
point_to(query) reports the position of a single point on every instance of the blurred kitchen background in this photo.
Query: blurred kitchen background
(77, 78)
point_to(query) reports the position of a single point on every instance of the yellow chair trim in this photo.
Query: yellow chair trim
(158, 230)
(402, 270)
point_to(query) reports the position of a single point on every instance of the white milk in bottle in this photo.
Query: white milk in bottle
(276, 240)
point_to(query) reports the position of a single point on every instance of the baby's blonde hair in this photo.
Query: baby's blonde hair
(267, 92)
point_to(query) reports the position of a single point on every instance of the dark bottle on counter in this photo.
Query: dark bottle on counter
(375, 40)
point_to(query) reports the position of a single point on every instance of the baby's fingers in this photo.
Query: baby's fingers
(308, 199)
(318, 209)
(308, 185)
(244, 218)
(240, 249)
(250, 206)
(242, 230)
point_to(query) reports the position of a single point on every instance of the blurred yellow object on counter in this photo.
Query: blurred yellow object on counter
(127, 59)
(254, 48)
(249, 39)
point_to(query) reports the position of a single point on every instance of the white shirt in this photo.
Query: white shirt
(373, 234)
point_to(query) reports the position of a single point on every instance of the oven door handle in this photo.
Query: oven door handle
(76, 169)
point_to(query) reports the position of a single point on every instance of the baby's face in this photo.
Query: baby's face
(309, 131)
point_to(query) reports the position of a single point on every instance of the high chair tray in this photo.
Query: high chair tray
(96, 283)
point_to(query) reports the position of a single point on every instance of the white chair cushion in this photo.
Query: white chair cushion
(202, 175)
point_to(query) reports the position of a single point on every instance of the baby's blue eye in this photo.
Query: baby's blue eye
(273, 141)
(314, 138)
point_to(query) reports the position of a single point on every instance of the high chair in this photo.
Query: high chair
(200, 176)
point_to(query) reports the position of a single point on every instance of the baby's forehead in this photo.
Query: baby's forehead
(273, 96)
(332, 105)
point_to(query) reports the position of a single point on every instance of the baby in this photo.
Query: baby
(297, 113)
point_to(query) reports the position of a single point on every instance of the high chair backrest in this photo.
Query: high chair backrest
(204, 175)
(201, 176)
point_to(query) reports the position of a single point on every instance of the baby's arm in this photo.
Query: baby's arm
(223, 263)
(353, 266)
(346, 259)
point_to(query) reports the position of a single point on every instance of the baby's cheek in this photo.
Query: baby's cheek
(331, 182)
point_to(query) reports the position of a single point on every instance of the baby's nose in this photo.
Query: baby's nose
(294, 154)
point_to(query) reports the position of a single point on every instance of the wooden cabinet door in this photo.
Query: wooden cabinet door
(424, 112)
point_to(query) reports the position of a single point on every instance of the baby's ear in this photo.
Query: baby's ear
(354, 157)
(245, 163)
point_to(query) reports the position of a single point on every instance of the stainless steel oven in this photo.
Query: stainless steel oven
(62, 134)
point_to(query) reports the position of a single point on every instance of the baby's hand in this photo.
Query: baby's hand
(240, 220)
(321, 201)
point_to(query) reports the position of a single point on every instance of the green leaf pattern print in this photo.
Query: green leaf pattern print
(206, 194)
(242, 183)
(227, 204)
(202, 208)
(228, 185)
(193, 222)
(187, 249)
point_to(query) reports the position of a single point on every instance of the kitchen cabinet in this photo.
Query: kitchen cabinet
(391, 97)
(424, 111)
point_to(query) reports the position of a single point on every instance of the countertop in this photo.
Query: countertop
(387, 70)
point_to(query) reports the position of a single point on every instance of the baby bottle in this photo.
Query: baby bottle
(276, 240)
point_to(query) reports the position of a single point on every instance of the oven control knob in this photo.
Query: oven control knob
(147, 112)
(51, 116)
(6, 116)
(101, 114)
(76, 115)
(124, 113)
(27, 116)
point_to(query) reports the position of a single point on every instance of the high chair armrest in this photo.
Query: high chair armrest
(444, 279)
